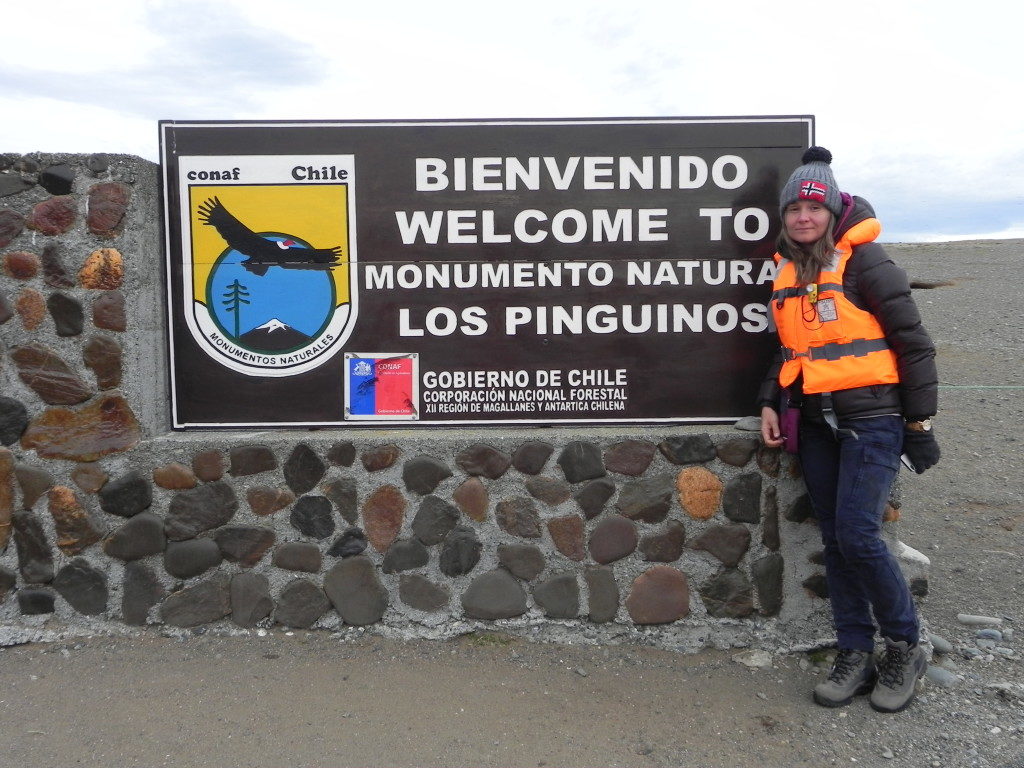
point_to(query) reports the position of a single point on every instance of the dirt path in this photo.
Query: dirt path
(317, 700)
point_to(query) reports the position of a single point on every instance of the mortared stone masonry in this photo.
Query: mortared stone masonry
(681, 536)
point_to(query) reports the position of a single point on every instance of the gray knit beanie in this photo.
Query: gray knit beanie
(813, 181)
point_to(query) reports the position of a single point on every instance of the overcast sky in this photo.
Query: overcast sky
(919, 101)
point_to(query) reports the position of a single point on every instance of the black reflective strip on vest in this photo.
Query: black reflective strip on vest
(835, 351)
(787, 293)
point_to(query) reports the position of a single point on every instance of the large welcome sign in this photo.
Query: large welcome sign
(499, 272)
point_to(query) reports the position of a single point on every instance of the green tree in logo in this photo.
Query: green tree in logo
(234, 298)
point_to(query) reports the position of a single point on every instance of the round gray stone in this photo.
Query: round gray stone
(494, 595)
(558, 596)
(84, 587)
(34, 601)
(530, 457)
(404, 555)
(593, 496)
(460, 552)
(250, 599)
(581, 461)
(604, 593)
(741, 498)
(352, 542)
(141, 536)
(185, 559)
(300, 604)
(313, 516)
(142, 590)
(203, 603)
(524, 561)
(303, 469)
(298, 556)
(199, 509)
(688, 449)
(422, 474)
(355, 591)
(434, 519)
(421, 593)
(126, 496)
(13, 420)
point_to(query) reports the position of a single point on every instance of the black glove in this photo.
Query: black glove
(921, 448)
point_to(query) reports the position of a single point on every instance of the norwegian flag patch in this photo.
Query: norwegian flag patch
(813, 190)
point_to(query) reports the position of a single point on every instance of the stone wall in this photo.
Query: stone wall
(682, 537)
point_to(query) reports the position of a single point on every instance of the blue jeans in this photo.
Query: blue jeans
(848, 481)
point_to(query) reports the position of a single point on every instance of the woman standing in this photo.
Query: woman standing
(857, 363)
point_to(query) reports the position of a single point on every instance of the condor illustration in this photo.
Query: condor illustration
(264, 252)
(270, 267)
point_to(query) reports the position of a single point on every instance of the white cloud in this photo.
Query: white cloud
(917, 100)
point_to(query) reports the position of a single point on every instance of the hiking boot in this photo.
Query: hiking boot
(898, 673)
(852, 673)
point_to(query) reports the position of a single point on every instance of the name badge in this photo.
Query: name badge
(827, 310)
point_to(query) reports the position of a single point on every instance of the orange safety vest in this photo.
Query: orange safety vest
(832, 342)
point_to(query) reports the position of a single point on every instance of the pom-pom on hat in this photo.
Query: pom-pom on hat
(813, 181)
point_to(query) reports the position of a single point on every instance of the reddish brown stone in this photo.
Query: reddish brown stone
(629, 457)
(567, 534)
(482, 459)
(21, 265)
(102, 355)
(75, 530)
(700, 492)
(383, 513)
(665, 547)
(11, 225)
(174, 477)
(102, 427)
(108, 311)
(6, 495)
(472, 499)
(519, 517)
(6, 311)
(108, 203)
(89, 477)
(49, 376)
(103, 270)
(659, 596)
(208, 465)
(264, 500)
(31, 307)
(252, 460)
(54, 216)
(614, 537)
(379, 457)
(549, 490)
(891, 514)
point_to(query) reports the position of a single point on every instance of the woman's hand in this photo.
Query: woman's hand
(770, 431)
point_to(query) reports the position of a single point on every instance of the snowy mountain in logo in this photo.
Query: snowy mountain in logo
(272, 325)
(273, 336)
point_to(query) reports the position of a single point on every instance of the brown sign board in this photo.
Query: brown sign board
(601, 271)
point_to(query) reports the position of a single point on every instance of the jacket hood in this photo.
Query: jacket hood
(856, 210)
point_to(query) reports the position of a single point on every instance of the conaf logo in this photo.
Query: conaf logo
(270, 275)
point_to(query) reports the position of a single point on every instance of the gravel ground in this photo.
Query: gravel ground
(316, 699)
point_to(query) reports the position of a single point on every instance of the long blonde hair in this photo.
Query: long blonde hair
(808, 259)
